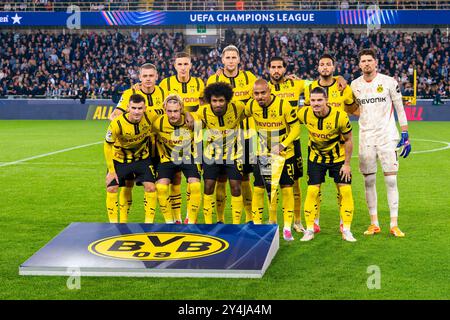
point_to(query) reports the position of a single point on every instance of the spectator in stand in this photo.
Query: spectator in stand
(58, 64)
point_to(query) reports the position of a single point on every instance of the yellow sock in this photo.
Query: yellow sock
(164, 204)
(247, 198)
(221, 199)
(208, 204)
(347, 207)
(312, 195)
(175, 201)
(125, 200)
(339, 201)
(318, 202)
(273, 208)
(150, 202)
(288, 206)
(194, 201)
(188, 198)
(112, 207)
(258, 204)
(237, 205)
(297, 202)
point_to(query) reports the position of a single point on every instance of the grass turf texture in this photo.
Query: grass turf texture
(41, 197)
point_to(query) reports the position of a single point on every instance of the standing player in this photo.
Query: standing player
(277, 127)
(242, 84)
(221, 118)
(174, 141)
(337, 98)
(377, 96)
(290, 90)
(127, 154)
(190, 89)
(153, 97)
(326, 152)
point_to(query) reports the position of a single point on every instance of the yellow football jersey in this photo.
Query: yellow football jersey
(221, 135)
(130, 140)
(174, 142)
(273, 124)
(191, 92)
(336, 99)
(242, 86)
(289, 90)
(152, 100)
(326, 144)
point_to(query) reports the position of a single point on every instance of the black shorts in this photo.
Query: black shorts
(169, 169)
(213, 171)
(248, 160)
(155, 161)
(298, 167)
(317, 172)
(287, 175)
(140, 171)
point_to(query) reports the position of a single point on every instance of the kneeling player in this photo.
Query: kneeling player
(326, 127)
(175, 149)
(127, 154)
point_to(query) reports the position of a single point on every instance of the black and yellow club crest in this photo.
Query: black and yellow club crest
(380, 88)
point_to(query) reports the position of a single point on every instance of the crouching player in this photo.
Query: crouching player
(127, 154)
(175, 147)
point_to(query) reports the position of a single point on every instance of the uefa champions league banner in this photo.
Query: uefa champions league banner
(370, 16)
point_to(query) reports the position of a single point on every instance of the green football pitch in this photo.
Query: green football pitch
(53, 173)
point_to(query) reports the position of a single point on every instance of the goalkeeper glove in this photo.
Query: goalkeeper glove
(404, 142)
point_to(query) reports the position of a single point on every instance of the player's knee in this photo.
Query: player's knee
(209, 187)
(391, 181)
(112, 189)
(129, 183)
(370, 180)
(235, 189)
(149, 187)
(176, 179)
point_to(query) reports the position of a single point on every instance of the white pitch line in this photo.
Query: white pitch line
(48, 154)
(433, 150)
(426, 151)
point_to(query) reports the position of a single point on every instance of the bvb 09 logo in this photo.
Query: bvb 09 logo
(158, 246)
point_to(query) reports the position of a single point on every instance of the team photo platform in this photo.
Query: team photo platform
(157, 250)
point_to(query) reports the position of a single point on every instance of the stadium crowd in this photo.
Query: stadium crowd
(103, 64)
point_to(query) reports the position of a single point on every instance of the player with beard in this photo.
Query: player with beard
(338, 99)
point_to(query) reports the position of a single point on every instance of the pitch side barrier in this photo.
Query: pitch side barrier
(75, 19)
(100, 109)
